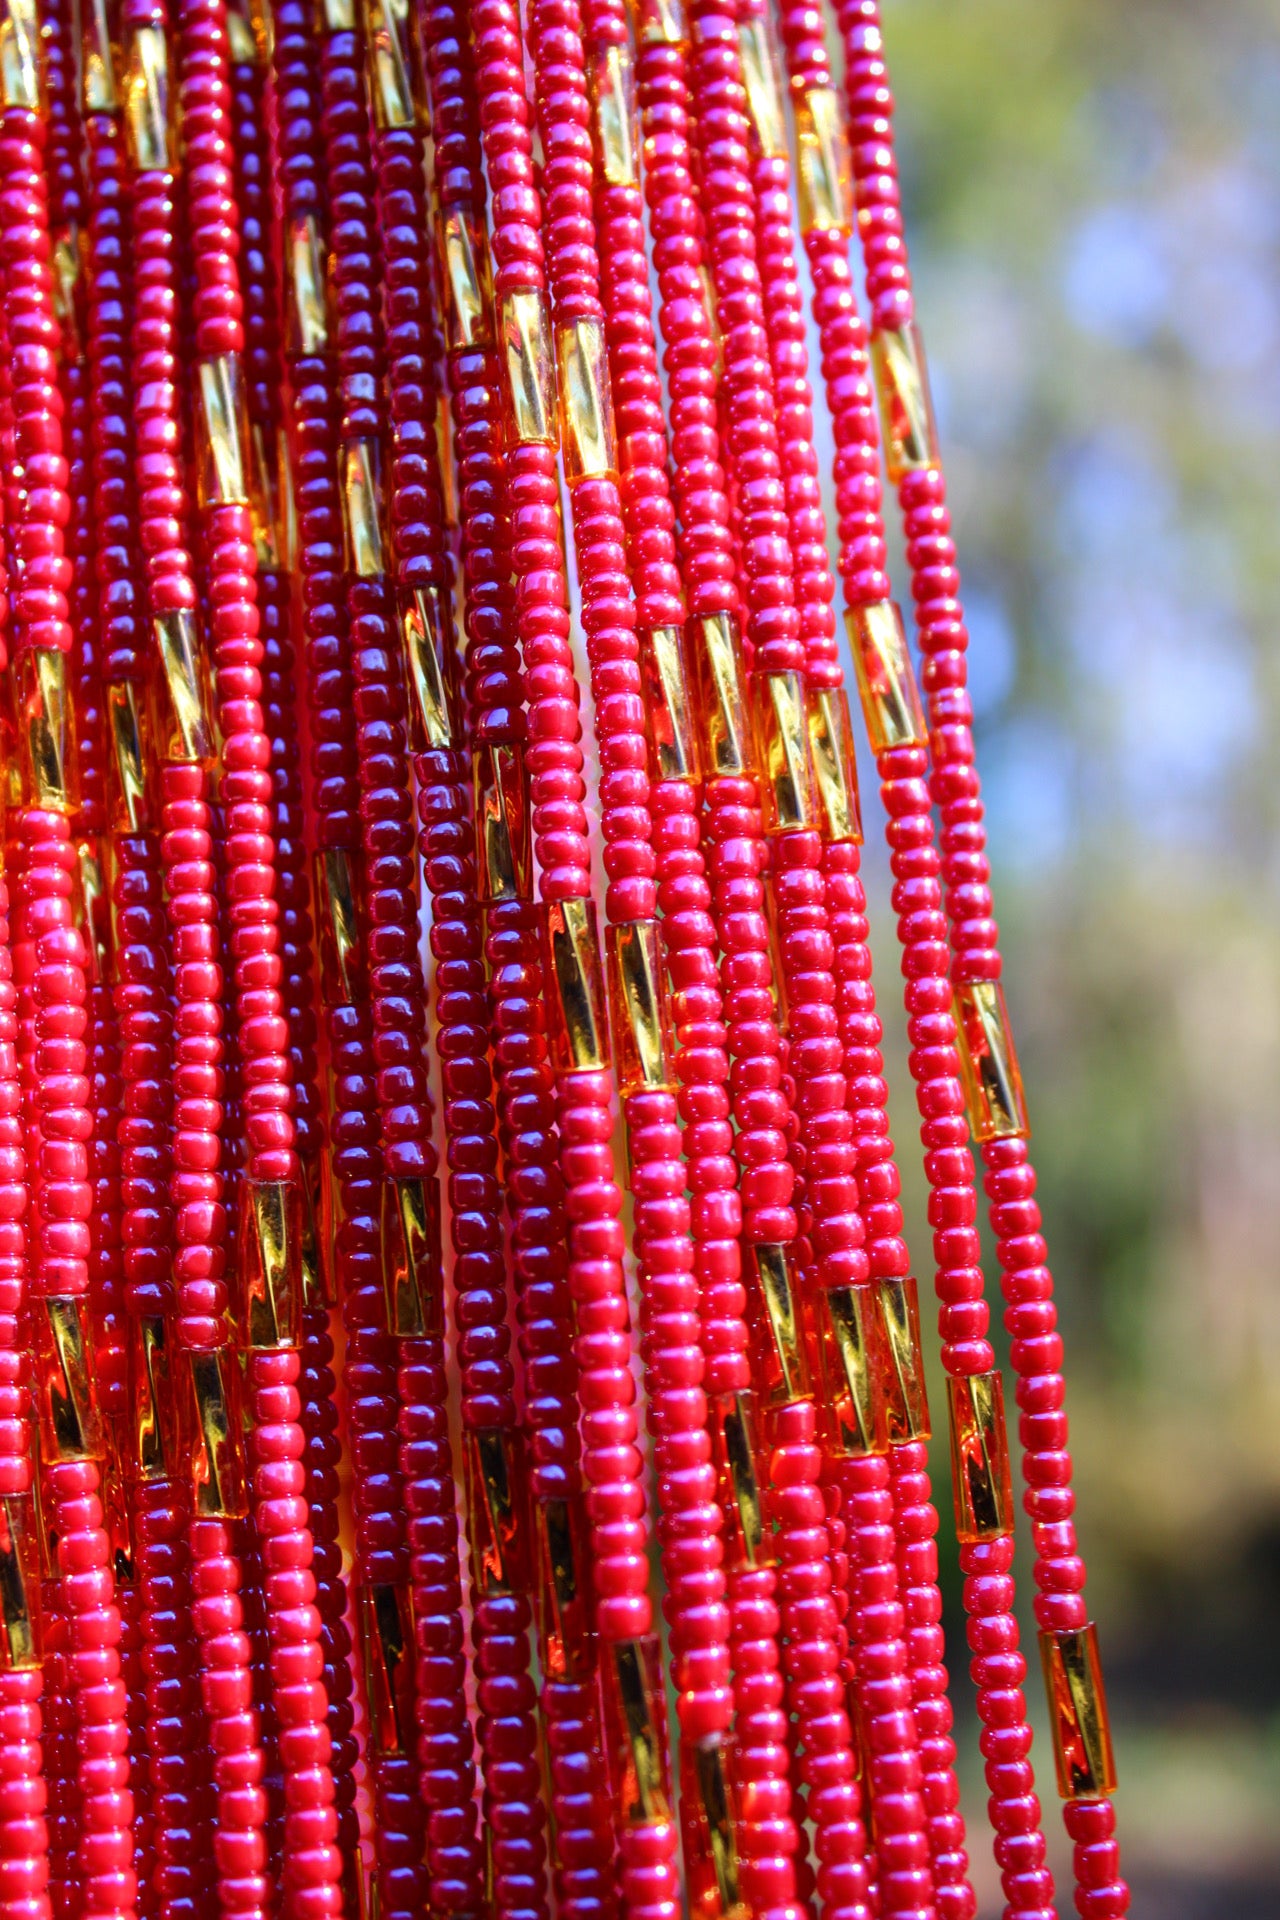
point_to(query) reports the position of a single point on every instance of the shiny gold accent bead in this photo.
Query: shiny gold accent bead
(449, 481)
(724, 712)
(503, 832)
(65, 270)
(577, 1019)
(19, 55)
(70, 1428)
(906, 405)
(635, 1721)
(711, 307)
(94, 916)
(19, 1585)
(270, 1277)
(668, 698)
(713, 1831)
(146, 100)
(468, 295)
(337, 926)
(586, 401)
(339, 16)
(731, 1424)
(530, 364)
(45, 719)
(424, 630)
(185, 732)
(886, 678)
(99, 88)
(663, 23)
(126, 737)
(613, 94)
(906, 1401)
(390, 44)
(217, 1435)
(242, 47)
(563, 1596)
(782, 744)
(496, 1510)
(824, 176)
(151, 1391)
(286, 505)
(639, 1009)
(386, 1645)
(1078, 1718)
(785, 1371)
(308, 307)
(848, 1346)
(835, 766)
(264, 486)
(318, 1285)
(361, 473)
(222, 475)
(262, 21)
(981, 1482)
(989, 1063)
(412, 1258)
(763, 88)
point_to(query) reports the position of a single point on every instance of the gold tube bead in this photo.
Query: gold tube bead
(497, 1511)
(387, 25)
(412, 1257)
(824, 175)
(773, 1310)
(263, 22)
(907, 423)
(848, 1346)
(906, 1402)
(45, 727)
(125, 727)
(1078, 1719)
(613, 96)
(835, 766)
(635, 1725)
(20, 1610)
(981, 1483)
(464, 274)
(725, 739)
(711, 1853)
(269, 1308)
(504, 851)
(151, 1393)
(242, 46)
(423, 628)
(146, 100)
(215, 1434)
(586, 401)
(782, 746)
(264, 497)
(989, 1063)
(94, 912)
(386, 1647)
(639, 1009)
(70, 1427)
(308, 317)
(319, 1286)
(763, 87)
(184, 731)
(337, 927)
(563, 1589)
(577, 1019)
(663, 23)
(20, 55)
(99, 87)
(222, 473)
(669, 704)
(530, 364)
(748, 1539)
(886, 678)
(361, 486)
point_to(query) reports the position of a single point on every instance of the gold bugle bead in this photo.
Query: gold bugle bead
(731, 1424)
(981, 1483)
(422, 627)
(126, 738)
(468, 297)
(530, 364)
(1078, 1718)
(763, 88)
(412, 1259)
(338, 926)
(99, 89)
(216, 1435)
(362, 508)
(185, 732)
(835, 766)
(270, 1265)
(989, 1062)
(223, 471)
(390, 40)
(70, 1427)
(19, 55)
(782, 746)
(635, 1722)
(308, 307)
(668, 698)
(613, 94)
(503, 832)
(386, 1645)
(713, 1830)
(449, 483)
(45, 721)
(151, 1392)
(724, 711)
(146, 100)
(95, 908)
(848, 1346)
(318, 1287)
(264, 488)
(242, 46)
(19, 1585)
(906, 1401)
(286, 504)
(886, 678)
(639, 1010)
(577, 1019)
(785, 1371)
(824, 176)
(663, 23)
(907, 423)
(586, 401)
(563, 1591)
(65, 269)
(339, 16)
(497, 1511)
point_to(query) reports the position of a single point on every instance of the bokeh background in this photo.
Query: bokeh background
(1093, 200)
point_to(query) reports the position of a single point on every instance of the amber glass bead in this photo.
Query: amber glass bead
(886, 678)
(906, 406)
(1078, 1719)
(981, 1483)
(905, 1399)
(989, 1062)
(824, 177)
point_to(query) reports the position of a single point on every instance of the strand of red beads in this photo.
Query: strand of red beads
(1067, 1641)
